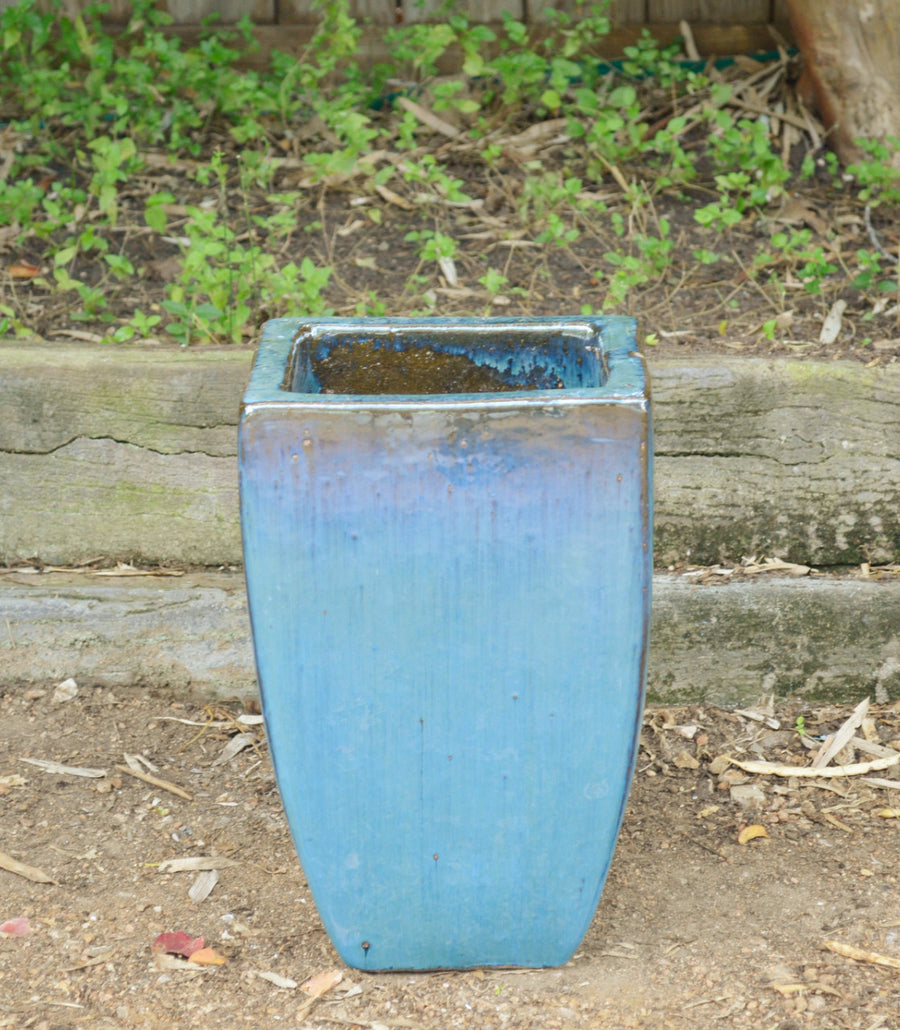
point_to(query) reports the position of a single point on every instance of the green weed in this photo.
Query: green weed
(135, 138)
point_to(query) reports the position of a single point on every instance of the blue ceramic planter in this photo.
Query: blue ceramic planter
(449, 594)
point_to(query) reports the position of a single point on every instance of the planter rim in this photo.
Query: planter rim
(626, 381)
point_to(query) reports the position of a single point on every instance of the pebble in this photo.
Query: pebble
(748, 795)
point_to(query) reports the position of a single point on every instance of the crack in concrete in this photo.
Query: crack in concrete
(124, 443)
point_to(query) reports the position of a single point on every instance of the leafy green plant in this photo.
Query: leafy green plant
(547, 202)
(871, 273)
(428, 173)
(140, 325)
(436, 247)
(226, 286)
(878, 176)
(493, 282)
(812, 264)
(113, 160)
(135, 143)
(632, 270)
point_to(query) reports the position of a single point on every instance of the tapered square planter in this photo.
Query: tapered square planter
(447, 530)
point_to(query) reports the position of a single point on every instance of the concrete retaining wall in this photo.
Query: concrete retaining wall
(817, 638)
(130, 453)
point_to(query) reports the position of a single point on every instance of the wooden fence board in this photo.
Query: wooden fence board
(192, 12)
(720, 27)
(384, 12)
(711, 40)
(619, 12)
(376, 12)
(476, 10)
(714, 12)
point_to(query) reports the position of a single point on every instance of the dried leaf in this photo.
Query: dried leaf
(137, 763)
(758, 715)
(196, 863)
(322, 982)
(537, 132)
(163, 960)
(348, 230)
(23, 270)
(804, 771)
(751, 833)
(831, 326)
(393, 198)
(448, 267)
(18, 927)
(834, 821)
(279, 981)
(810, 987)
(685, 760)
(12, 865)
(234, 746)
(202, 887)
(67, 770)
(843, 736)
(753, 566)
(207, 957)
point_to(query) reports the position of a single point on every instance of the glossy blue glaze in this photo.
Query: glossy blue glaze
(449, 596)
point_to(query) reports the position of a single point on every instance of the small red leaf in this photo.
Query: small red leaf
(18, 927)
(178, 944)
(23, 270)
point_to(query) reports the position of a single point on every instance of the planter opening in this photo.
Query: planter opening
(444, 360)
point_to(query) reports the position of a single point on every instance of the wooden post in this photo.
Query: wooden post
(851, 51)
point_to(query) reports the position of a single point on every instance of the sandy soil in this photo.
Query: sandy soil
(694, 928)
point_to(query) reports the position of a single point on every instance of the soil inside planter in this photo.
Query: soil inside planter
(362, 367)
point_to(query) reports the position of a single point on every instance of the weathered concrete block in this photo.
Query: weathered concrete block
(819, 639)
(800, 459)
(130, 452)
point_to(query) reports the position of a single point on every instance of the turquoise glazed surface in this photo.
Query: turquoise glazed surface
(449, 595)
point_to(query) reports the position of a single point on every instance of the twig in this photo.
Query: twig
(209, 722)
(427, 117)
(690, 47)
(876, 243)
(848, 951)
(172, 788)
(857, 769)
(785, 116)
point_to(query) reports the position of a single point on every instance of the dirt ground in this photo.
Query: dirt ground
(695, 928)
